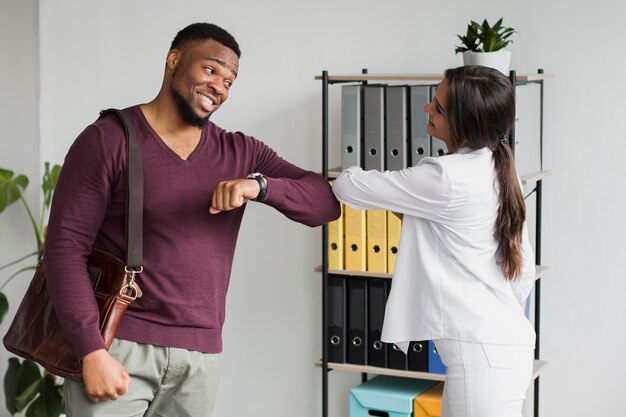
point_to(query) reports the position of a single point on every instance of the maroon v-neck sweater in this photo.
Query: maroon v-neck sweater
(188, 253)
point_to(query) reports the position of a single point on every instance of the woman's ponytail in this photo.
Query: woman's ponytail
(481, 109)
(511, 213)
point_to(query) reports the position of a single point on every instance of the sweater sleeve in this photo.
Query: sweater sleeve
(80, 201)
(421, 191)
(302, 196)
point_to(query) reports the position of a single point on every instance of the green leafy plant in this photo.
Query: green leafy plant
(485, 38)
(26, 388)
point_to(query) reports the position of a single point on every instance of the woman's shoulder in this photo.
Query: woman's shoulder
(465, 169)
(465, 159)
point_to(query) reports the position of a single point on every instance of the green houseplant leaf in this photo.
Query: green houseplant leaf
(10, 188)
(19, 379)
(49, 181)
(482, 37)
(22, 400)
(50, 399)
(4, 306)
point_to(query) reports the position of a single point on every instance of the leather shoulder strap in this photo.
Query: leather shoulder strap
(134, 192)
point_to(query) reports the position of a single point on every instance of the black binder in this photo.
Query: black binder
(357, 321)
(418, 356)
(377, 298)
(396, 358)
(336, 319)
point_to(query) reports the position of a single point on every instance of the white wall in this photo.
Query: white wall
(584, 336)
(100, 54)
(19, 143)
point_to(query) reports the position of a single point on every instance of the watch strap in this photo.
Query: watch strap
(262, 185)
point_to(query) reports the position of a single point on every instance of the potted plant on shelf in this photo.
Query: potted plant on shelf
(484, 45)
(26, 388)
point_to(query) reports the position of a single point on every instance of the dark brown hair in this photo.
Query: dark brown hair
(481, 111)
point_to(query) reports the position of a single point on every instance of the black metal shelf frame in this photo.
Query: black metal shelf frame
(538, 190)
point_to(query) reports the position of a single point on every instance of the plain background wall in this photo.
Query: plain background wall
(100, 54)
(19, 143)
(584, 336)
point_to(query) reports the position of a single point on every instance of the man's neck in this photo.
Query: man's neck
(164, 117)
(165, 120)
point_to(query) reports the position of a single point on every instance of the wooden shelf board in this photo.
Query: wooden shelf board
(363, 274)
(540, 270)
(383, 77)
(334, 172)
(382, 371)
(533, 77)
(534, 176)
(416, 77)
(538, 368)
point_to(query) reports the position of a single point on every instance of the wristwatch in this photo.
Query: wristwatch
(260, 178)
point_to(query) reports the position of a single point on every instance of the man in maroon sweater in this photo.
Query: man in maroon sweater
(195, 191)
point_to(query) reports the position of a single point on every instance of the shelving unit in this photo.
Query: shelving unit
(528, 179)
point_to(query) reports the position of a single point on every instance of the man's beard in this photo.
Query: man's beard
(185, 110)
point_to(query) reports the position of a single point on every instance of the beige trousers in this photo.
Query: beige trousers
(165, 382)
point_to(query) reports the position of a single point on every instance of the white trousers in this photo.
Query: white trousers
(484, 380)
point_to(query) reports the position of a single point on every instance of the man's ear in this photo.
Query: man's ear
(173, 59)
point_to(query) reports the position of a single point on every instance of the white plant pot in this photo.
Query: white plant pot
(500, 60)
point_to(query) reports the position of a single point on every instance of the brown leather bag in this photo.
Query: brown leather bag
(35, 332)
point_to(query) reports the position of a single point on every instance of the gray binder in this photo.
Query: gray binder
(351, 154)
(396, 128)
(420, 141)
(437, 146)
(373, 127)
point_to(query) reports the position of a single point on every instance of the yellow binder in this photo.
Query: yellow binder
(394, 225)
(335, 242)
(428, 404)
(355, 239)
(376, 240)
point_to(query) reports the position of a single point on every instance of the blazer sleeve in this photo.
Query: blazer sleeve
(421, 191)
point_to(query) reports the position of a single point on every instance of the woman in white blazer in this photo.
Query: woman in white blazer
(464, 266)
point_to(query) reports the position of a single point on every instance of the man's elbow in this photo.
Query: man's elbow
(334, 212)
(325, 213)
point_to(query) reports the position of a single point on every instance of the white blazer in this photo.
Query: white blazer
(447, 282)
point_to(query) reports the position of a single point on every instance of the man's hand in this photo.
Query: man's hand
(232, 194)
(104, 377)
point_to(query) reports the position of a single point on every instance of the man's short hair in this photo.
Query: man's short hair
(199, 32)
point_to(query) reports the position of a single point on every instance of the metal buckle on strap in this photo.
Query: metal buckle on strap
(130, 287)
